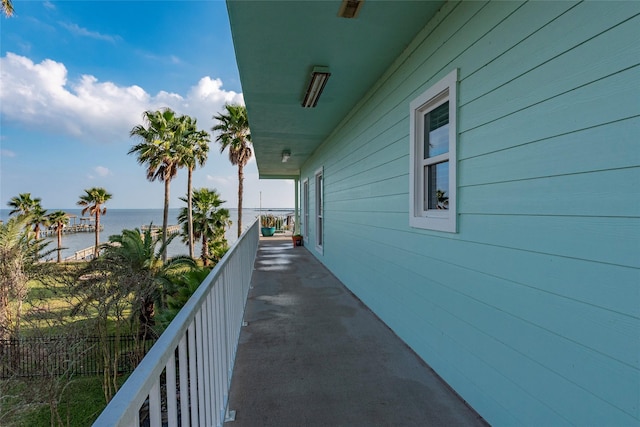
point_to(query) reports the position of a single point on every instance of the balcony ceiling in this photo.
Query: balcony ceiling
(277, 44)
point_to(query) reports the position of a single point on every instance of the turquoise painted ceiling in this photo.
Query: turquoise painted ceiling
(277, 44)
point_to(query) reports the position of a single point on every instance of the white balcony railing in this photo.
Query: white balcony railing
(196, 353)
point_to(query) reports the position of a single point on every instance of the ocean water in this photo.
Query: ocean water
(117, 220)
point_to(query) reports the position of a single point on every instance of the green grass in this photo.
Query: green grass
(24, 401)
(79, 405)
(47, 309)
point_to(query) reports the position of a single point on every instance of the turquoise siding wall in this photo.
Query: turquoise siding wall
(531, 312)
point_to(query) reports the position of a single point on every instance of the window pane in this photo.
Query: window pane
(436, 129)
(319, 189)
(305, 204)
(437, 186)
(319, 212)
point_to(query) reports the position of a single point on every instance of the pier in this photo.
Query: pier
(87, 224)
(155, 230)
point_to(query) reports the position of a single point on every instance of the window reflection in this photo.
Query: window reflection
(437, 186)
(436, 125)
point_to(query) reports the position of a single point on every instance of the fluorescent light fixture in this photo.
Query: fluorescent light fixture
(319, 78)
(286, 154)
(350, 8)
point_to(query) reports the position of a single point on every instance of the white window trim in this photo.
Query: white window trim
(436, 95)
(319, 213)
(305, 207)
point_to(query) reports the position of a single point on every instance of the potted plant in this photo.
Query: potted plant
(268, 225)
(297, 240)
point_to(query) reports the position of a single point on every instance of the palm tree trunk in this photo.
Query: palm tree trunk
(97, 225)
(240, 191)
(59, 231)
(165, 217)
(205, 250)
(36, 232)
(145, 318)
(190, 214)
(4, 309)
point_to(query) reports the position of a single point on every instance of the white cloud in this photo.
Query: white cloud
(102, 171)
(83, 32)
(40, 96)
(207, 98)
(7, 153)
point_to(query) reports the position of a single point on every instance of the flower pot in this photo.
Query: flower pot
(268, 231)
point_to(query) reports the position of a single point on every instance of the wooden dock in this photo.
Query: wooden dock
(86, 225)
(70, 230)
(155, 230)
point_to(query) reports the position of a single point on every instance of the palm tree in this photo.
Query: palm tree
(92, 201)
(19, 256)
(128, 275)
(58, 220)
(23, 205)
(136, 265)
(192, 151)
(158, 151)
(7, 8)
(185, 285)
(234, 134)
(443, 199)
(209, 221)
(37, 218)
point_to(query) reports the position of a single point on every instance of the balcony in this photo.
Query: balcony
(308, 353)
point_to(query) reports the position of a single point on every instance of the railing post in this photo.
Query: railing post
(183, 365)
(193, 369)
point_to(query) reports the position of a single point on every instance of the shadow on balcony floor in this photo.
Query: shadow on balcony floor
(313, 355)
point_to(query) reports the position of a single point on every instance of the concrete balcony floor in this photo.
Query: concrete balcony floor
(314, 355)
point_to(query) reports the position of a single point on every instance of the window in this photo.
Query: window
(305, 207)
(319, 210)
(433, 136)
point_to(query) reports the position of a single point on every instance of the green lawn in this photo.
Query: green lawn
(29, 401)
(24, 402)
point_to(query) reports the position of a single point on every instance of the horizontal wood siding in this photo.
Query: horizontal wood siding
(531, 312)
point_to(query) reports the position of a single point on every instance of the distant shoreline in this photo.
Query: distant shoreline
(118, 219)
(75, 208)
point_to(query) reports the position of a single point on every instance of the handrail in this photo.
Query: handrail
(204, 335)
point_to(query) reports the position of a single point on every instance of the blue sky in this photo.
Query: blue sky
(76, 76)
